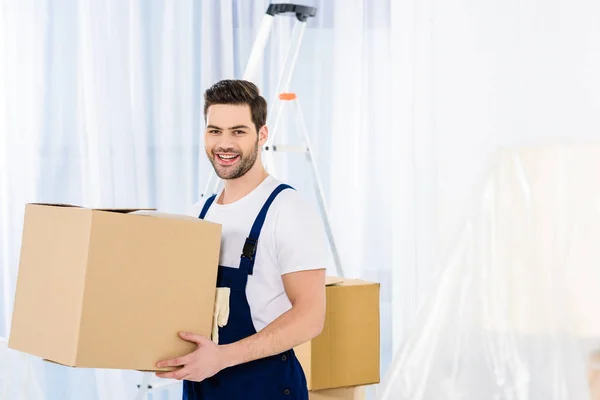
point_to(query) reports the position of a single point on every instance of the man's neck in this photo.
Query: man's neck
(236, 189)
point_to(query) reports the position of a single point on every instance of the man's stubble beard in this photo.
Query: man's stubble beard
(245, 164)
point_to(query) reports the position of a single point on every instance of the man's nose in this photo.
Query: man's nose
(225, 142)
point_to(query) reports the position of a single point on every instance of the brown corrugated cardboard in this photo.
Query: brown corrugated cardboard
(346, 353)
(349, 393)
(108, 289)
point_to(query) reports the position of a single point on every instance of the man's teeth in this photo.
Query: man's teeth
(227, 157)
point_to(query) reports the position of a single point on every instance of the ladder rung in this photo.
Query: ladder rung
(284, 148)
(160, 385)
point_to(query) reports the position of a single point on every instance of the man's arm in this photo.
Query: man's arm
(304, 321)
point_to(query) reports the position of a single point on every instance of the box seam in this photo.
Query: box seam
(84, 281)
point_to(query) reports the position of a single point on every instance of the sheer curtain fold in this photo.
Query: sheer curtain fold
(22, 113)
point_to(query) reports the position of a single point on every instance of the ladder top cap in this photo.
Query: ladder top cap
(302, 12)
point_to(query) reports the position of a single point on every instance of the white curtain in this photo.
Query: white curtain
(101, 104)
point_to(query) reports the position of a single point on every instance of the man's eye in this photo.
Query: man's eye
(239, 132)
(214, 132)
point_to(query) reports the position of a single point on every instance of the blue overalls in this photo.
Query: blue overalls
(276, 377)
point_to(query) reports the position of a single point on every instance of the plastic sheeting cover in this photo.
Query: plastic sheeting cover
(515, 313)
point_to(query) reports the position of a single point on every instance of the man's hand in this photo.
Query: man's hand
(202, 363)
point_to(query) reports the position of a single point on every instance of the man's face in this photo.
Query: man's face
(231, 141)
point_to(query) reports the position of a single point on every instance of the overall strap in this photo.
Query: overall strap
(207, 205)
(249, 250)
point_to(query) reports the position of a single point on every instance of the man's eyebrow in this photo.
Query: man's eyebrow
(231, 129)
(238, 127)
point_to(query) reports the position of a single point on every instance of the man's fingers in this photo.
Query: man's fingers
(175, 362)
(192, 337)
(177, 374)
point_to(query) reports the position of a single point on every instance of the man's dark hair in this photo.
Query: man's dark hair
(238, 92)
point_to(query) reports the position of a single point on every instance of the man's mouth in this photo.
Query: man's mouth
(227, 158)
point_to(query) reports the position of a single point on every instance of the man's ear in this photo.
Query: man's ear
(263, 135)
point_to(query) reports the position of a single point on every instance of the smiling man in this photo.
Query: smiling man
(272, 258)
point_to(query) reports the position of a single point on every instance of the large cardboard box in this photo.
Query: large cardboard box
(349, 393)
(346, 353)
(108, 289)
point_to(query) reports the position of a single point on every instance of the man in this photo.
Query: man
(272, 259)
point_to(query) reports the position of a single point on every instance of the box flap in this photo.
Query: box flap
(118, 210)
(356, 282)
(123, 210)
(54, 205)
(333, 280)
(153, 213)
(337, 281)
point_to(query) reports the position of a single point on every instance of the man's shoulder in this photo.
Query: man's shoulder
(294, 210)
(292, 200)
(297, 226)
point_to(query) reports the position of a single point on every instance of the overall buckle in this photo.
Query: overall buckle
(249, 249)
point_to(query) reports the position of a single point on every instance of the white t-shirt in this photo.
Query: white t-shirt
(292, 239)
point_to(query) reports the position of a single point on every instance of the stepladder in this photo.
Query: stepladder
(290, 106)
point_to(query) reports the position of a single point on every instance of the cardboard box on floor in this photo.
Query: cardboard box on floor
(349, 393)
(108, 289)
(346, 353)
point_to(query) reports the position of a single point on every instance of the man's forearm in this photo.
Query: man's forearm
(294, 327)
